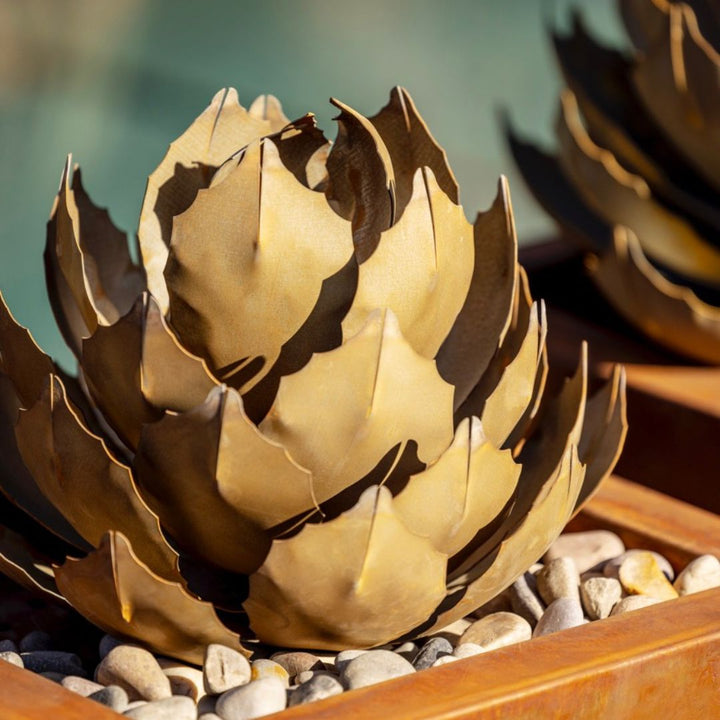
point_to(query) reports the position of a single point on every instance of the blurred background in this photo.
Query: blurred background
(114, 82)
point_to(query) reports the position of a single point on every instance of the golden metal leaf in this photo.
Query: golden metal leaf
(75, 471)
(421, 269)
(247, 262)
(208, 474)
(27, 567)
(677, 82)
(361, 180)
(411, 146)
(112, 588)
(466, 488)
(340, 424)
(483, 321)
(136, 369)
(671, 314)
(356, 581)
(223, 128)
(623, 198)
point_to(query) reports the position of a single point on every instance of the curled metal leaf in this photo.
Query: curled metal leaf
(224, 127)
(247, 262)
(75, 471)
(421, 269)
(372, 580)
(112, 588)
(670, 313)
(339, 425)
(208, 473)
(136, 368)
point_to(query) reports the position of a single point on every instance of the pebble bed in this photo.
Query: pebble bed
(583, 577)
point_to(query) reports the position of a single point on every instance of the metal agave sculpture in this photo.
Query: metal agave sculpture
(638, 182)
(316, 410)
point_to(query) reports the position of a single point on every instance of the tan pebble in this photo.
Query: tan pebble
(184, 679)
(587, 549)
(500, 603)
(445, 660)
(640, 574)
(633, 602)
(703, 573)
(269, 668)
(468, 650)
(80, 685)
(454, 630)
(599, 596)
(612, 566)
(497, 630)
(224, 668)
(559, 579)
(136, 671)
(297, 661)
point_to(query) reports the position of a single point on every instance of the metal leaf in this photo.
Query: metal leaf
(356, 581)
(247, 263)
(136, 369)
(93, 491)
(483, 321)
(466, 488)
(361, 180)
(411, 146)
(208, 474)
(224, 127)
(421, 269)
(624, 198)
(340, 424)
(671, 314)
(112, 588)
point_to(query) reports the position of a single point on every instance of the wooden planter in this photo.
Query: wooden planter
(662, 661)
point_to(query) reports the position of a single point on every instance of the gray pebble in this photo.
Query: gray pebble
(206, 704)
(54, 676)
(319, 687)
(701, 574)
(107, 643)
(375, 666)
(40, 661)
(12, 657)
(111, 696)
(224, 669)
(8, 646)
(297, 661)
(559, 579)
(257, 698)
(136, 671)
(135, 704)
(633, 602)
(497, 630)
(209, 716)
(599, 596)
(431, 651)
(172, 708)
(524, 598)
(345, 656)
(561, 614)
(36, 640)
(612, 567)
(81, 686)
(587, 549)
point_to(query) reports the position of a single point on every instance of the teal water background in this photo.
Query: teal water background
(114, 81)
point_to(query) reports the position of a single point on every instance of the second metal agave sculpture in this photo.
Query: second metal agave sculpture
(638, 182)
(316, 410)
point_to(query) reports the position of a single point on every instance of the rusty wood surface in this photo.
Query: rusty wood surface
(27, 696)
(663, 661)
